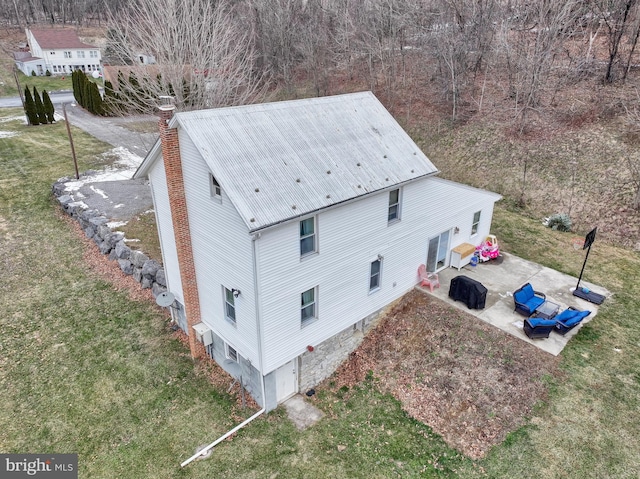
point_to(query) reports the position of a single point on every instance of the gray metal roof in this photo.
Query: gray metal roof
(277, 161)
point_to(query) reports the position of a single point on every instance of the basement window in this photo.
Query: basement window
(232, 354)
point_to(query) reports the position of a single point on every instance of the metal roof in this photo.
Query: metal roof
(278, 161)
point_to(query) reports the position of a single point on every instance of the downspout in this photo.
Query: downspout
(259, 337)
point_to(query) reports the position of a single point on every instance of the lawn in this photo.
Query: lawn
(85, 368)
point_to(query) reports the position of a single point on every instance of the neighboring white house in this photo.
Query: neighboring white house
(298, 223)
(57, 50)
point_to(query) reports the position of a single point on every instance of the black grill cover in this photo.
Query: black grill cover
(469, 291)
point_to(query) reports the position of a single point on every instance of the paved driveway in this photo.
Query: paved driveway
(502, 278)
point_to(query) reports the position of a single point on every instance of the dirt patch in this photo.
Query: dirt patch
(470, 382)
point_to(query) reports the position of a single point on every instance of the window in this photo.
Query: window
(80, 54)
(476, 222)
(394, 205)
(232, 354)
(308, 310)
(308, 236)
(93, 54)
(374, 275)
(216, 190)
(67, 54)
(52, 53)
(230, 305)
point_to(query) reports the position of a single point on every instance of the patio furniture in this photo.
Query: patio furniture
(461, 255)
(527, 300)
(469, 291)
(586, 293)
(569, 319)
(429, 280)
(546, 310)
(536, 328)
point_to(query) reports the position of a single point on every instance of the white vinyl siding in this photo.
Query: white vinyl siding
(222, 250)
(352, 236)
(158, 182)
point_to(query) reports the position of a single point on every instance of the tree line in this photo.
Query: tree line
(530, 50)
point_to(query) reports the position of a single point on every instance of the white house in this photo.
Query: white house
(57, 50)
(286, 228)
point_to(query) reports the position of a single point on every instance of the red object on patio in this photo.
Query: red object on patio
(430, 280)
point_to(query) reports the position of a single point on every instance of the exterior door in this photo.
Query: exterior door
(286, 381)
(437, 252)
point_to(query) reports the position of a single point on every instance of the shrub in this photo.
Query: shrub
(33, 73)
(560, 222)
(47, 73)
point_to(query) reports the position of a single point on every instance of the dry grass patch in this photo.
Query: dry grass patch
(470, 382)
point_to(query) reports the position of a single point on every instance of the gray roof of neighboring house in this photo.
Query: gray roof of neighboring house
(56, 38)
(278, 161)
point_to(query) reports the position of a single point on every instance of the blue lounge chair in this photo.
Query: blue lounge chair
(569, 319)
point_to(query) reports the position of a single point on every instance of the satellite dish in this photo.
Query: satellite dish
(165, 299)
(96, 74)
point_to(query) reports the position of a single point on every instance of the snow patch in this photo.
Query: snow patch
(8, 134)
(119, 205)
(99, 191)
(132, 240)
(13, 118)
(116, 224)
(122, 169)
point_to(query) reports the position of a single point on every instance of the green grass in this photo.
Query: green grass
(85, 369)
(52, 83)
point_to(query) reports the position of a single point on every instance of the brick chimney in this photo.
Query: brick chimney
(180, 219)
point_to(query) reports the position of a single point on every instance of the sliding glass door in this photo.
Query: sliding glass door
(437, 252)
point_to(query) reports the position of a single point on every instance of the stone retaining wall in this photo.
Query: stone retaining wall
(148, 272)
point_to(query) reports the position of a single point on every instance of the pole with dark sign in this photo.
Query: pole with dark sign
(588, 241)
(585, 293)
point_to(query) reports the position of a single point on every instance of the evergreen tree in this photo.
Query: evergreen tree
(30, 107)
(48, 107)
(86, 96)
(96, 99)
(77, 93)
(111, 99)
(42, 115)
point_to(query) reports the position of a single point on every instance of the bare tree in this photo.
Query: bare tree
(204, 55)
(620, 18)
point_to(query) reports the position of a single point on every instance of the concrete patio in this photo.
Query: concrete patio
(502, 277)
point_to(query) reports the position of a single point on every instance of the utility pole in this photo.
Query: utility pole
(15, 76)
(73, 150)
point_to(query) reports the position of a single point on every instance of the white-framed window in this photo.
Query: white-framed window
(308, 306)
(308, 243)
(52, 53)
(67, 54)
(93, 54)
(394, 205)
(229, 305)
(216, 189)
(374, 274)
(55, 68)
(231, 353)
(80, 54)
(476, 222)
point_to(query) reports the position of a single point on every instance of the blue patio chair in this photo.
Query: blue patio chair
(569, 319)
(536, 328)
